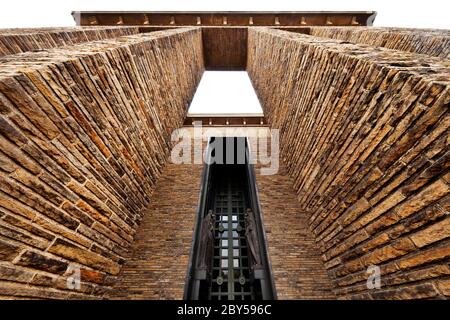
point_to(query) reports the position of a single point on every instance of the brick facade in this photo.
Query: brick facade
(158, 261)
(85, 133)
(298, 270)
(86, 116)
(424, 41)
(364, 133)
(15, 41)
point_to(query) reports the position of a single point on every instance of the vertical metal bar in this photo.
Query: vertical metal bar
(228, 197)
(230, 239)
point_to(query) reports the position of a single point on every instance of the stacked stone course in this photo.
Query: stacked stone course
(13, 41)
(85, 133)
(433, 42)
(158, 260)
(364, 135)
(86, 116)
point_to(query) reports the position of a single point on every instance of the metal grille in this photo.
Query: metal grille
(230, 271)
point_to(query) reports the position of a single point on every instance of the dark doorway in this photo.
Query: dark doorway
(229, 259)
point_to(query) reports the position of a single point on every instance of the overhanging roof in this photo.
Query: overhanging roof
(225, 18)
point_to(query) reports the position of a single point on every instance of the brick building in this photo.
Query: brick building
(91, 205)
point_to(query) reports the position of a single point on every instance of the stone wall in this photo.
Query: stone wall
(158, 260)
(424, 41)
(85, 122)
(14, 41)
(157, 264)
(364, 135)
(85, 133)
(299, 272)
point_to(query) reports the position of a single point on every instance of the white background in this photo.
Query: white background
(231, 92)
(225, 92)
(398, 13)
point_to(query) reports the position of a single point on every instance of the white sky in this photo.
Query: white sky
(231, 92)
(391, 13)
(225, 92)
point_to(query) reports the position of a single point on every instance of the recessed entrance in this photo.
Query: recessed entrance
(229, 258)
(230, 273)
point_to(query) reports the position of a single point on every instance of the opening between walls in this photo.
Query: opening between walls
(229, 259)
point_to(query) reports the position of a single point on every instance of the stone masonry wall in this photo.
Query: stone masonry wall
(14, 41)
(364, 136)
(424, 41)
(157, 263)
(158, 260)
(85, 133)
(298, 270)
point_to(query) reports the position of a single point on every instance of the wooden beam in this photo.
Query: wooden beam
(225, 18)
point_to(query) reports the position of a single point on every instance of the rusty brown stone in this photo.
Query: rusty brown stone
(72, 252)
(8, 251)
(86, 116)
(362, 133)
(37, 261)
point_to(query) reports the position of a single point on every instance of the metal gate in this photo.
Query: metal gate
(229, 259)
(230, 266)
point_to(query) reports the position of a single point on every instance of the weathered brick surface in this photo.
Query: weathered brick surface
(298, 270)
(158, 261)
(14, 41)
(424, 41)
(364, 135)
(85, 133)
(297, 267)
(85, 128)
